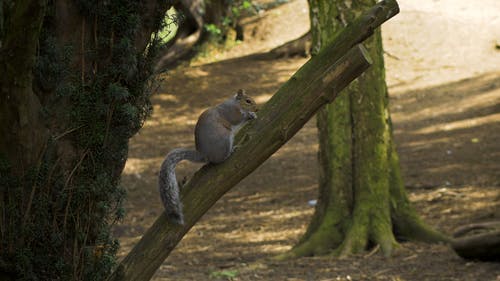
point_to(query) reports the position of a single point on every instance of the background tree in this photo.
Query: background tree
(74, 87)
(362, 200)
(209, 24)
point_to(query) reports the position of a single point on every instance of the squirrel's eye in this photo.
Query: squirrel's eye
(248, 101)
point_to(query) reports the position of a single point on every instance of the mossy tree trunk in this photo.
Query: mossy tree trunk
(362, 200)
(73, 89)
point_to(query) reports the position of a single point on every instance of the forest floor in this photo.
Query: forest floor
(443, 73)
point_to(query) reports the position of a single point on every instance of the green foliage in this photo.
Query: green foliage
(170, 25)
(238, 7)
(235, 10)
(226, 274)
(213, 29)
(61, 230)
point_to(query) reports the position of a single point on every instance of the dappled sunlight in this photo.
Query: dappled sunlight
(459, 202)
(455, 99)
(474, 92)
(445, 131)
(197, 73)
(235, 220)
(462, 124)
(445, 168)
(164, 113)
(271, 241)
(264, 237)
(173, 121)
(138, 166)
(419, 144)
(164, 97)
(265, 232)
(261, 99)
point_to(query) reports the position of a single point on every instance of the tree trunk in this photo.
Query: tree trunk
(73, 89)
(20, 116)
(361, 193)
(289, 109)
(22, 137)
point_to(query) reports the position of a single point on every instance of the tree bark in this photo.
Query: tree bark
(22, 136)
(361, 193)
(73, 90)
(21, 127)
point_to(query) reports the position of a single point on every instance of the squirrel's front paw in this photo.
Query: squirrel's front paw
(252, 115)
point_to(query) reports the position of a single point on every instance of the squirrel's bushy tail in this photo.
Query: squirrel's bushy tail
(169, 189)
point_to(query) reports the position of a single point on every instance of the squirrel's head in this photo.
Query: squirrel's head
(246, 103)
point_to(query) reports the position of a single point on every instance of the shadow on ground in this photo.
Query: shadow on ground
(449, 134)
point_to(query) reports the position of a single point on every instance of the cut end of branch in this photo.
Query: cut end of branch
(345, 70)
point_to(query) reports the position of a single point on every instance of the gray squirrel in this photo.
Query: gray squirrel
(214, 134)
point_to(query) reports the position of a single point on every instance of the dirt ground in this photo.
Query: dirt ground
(443, 73)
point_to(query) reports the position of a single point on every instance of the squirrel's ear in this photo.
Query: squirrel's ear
(239, 94)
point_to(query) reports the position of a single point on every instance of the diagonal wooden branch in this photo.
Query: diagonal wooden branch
(315, 84)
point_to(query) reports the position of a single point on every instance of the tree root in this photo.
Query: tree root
(321, 242)
(479, 241)
(407, 223)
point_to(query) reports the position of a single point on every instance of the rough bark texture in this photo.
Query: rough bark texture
(20, 110)
(361, 194)
(22, 137)
(73, 90)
